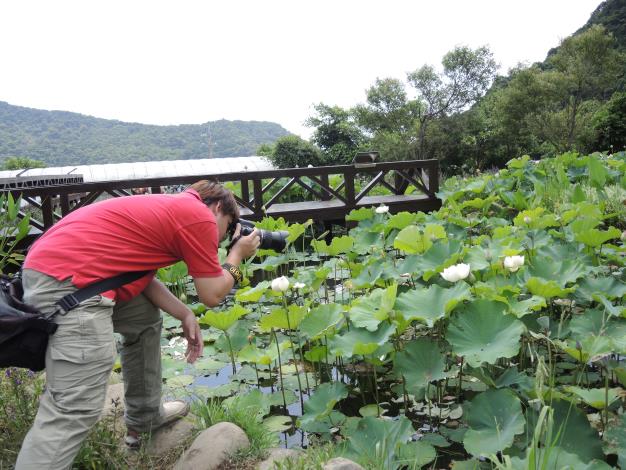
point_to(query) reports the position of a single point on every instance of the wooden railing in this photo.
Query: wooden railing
(326, 193)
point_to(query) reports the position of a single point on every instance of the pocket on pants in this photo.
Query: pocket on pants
(77, 374)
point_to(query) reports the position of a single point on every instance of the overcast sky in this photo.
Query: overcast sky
(189, 62)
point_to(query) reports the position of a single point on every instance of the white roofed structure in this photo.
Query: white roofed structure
(143, 170)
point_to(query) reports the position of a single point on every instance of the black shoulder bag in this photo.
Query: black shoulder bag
(24, 330)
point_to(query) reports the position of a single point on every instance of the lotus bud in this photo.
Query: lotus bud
(456, 272)
(298, 285)
(382, 209)
(513, 263)
(527, 220)
(623, 237)
(280, 284)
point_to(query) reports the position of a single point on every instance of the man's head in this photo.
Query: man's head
(221, 202)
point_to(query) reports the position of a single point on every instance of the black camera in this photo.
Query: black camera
(276, 241)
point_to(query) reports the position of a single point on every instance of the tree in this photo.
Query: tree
(291, 151)
(336, 133)
(611, 124)
(466, 76)
(21, 163)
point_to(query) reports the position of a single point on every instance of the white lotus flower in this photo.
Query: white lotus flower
(382, 209)
(513, 263)
(298, 285)
(280, 284)
(456, 272)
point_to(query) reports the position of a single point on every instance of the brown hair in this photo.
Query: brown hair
(211, 192)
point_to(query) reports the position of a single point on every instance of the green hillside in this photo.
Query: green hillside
(64, 138)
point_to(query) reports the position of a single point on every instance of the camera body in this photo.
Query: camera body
(276, 241)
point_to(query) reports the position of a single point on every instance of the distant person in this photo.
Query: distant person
(100, 241)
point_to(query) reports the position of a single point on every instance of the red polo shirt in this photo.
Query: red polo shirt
(133, 233)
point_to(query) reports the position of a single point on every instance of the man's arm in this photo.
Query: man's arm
(212, 290)
(162, 298)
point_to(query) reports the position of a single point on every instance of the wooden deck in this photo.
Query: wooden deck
(330, 192)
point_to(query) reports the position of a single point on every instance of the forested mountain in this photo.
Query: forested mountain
(64, 138)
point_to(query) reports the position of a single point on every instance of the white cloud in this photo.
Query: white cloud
(189, 62)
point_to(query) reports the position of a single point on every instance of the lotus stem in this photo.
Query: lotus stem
(280, 370)
(232, 353)
(295, 361)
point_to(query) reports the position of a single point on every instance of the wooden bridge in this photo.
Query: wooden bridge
(325, 194)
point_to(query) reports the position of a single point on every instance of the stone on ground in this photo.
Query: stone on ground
(212, 447)
(277, 454)
(173, 435)
(339, 463)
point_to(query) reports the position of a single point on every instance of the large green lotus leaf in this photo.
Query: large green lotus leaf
(180, 381)
(575, 433)
(431, 304)
(535, 219)
(252, 294)
(439, 256)
(279, 318)
(321, 320)
(615, 439)
(296, 230)
(562, 272)
(208, 365)
(595, 397)
(479, 203)
(482, 332)
(271, 263)
(278, 423)
(338, 245)
(259, 402)
(594, 237)
(369, 310)
(205, 393)
(322, 401)
(494, 418)
(412, 240)
(377, 441)
(251, 353)
(223, 320)
(613, 310)
(401, 220)
(591, 348)
(515, 199)
(357, 215)
(414, 454)
(171, 367)
(360, 341)
(519, 308)
(610, 287)
(547, 289)
(420, 362)
(368, 275)
(478, 258)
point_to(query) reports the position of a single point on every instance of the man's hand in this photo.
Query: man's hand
(246, 246)
(193, 334)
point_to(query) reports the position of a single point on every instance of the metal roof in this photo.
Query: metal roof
(142, 170)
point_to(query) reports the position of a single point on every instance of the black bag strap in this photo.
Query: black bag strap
(72, 300)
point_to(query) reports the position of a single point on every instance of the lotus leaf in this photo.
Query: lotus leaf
(482, 332)
(252, 294)
(224, 320)
(595, 237)
(278, 423)
(420, 362)
(369, 310)
(279, 318)
(596, 396)
(609, 287)
(251, 353)
(590, 348)
(415, 454)
(322, 401)
(494, 418)
(180, 381)
(338, 245)
(439, 256)
(557, 458)
(547, 289)
(431, 304)
(360, 341)
(401, 220)
(321, 320)
(358, 215)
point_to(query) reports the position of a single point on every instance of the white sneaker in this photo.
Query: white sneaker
(170, 412)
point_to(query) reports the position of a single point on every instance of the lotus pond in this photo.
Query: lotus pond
(491, 333)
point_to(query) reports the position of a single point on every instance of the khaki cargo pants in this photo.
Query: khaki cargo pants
(79, 360)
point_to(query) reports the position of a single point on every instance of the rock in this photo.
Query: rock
(339, 463)
(277, 454)
(170, 436)
(212, 447)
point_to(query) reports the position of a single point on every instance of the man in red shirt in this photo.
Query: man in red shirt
(99, 241)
